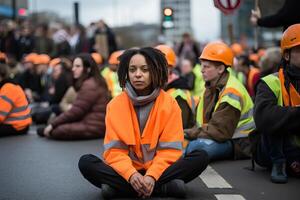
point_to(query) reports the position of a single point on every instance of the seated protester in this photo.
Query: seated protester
(15, 116)
(144, 135)
(277, 112)
(224, 113)
(109, 73)
(177, 87)
(251, 73)
(85, 119)
(30, 80)
(186, 70)
(61, 80)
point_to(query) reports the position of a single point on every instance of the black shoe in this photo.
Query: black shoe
(175, 188)
(108, 192)
(278, 174)
(40, 131)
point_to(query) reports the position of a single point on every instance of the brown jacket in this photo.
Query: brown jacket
(86, 118)
(221, 123)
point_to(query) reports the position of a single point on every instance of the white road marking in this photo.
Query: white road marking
(213, 180)
(229, 197)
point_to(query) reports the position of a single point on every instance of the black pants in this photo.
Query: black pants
(276, 148)
(186, 168)
(7, 130)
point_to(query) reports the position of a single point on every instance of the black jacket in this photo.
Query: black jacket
(288, 15)
(271, 118)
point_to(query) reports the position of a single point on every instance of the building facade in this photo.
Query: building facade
(181, 18)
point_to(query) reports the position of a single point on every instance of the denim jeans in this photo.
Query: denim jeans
(215, 150)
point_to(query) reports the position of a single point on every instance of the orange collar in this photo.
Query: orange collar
(291, 97)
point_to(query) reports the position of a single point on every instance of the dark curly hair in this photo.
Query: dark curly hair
(156, 61)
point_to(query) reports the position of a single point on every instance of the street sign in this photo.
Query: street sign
(227, 6)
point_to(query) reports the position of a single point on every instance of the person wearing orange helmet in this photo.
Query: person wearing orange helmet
(277, 112)
(110, 73)
(224, 114)
(247, 65)
(177, 87)
(29, 79)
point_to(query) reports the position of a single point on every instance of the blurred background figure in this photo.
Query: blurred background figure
(85, 118)
(104, 41)
(270, 61)
(188, 48)
(15, 116)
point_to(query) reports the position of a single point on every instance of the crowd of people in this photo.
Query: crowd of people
(164, 114)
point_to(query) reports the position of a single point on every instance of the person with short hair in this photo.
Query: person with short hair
(224, 114)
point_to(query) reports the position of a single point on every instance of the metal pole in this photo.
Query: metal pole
(14, 10)
(76, 11)
(256, 28)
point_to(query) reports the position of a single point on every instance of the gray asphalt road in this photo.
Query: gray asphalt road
(36, 168)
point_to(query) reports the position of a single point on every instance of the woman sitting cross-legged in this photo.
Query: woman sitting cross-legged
(144, 135)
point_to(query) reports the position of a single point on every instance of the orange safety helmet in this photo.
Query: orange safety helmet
(32, 57)
(113, 58)
(42, 59)
(3, 57)
(218, 51)
(54, 62)
(290, 37)
(237, 49)
(169, 54)
(254, 57)
(97, 57)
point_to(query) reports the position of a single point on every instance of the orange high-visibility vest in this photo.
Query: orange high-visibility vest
(127, 150)
(291, 98)
(253, 71)
(14, 108)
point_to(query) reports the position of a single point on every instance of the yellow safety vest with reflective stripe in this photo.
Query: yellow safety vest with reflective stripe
(239, 75)
(236, 95)
(199, 83)
(274, 84)
(14, 108)
(186, 95)
(112, 81)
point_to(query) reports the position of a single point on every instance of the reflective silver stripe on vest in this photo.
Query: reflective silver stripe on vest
(234, 96)
(19, 109)
(10, 119)
(169, 145)
(8, 100)
(148, 154)
(247, 115)
(115, 144)
(4, 113)
(244, 128)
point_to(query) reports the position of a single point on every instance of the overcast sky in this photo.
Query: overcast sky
(205, 17)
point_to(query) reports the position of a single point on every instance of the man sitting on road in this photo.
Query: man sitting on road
(277, 112)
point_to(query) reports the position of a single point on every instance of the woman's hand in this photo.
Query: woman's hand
(137, 182)
(48, 130)
(150, 182)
